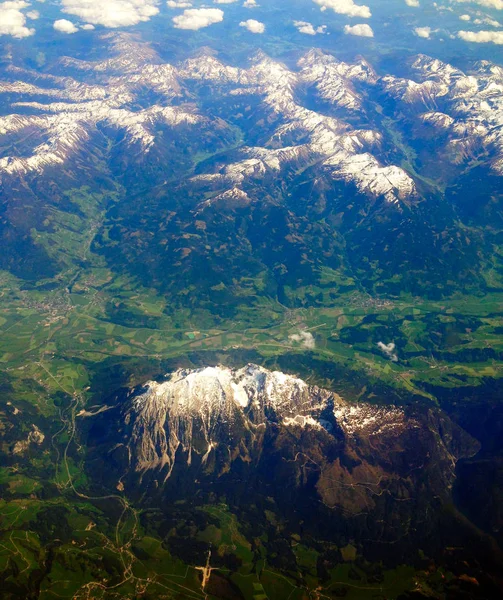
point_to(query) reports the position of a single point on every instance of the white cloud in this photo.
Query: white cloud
(413, 3)
(308, 28)
(497, 4)
(64, 26)
(346, 7)
(13, 21)
(487, 21)
(197, 18)
(389, 350)
(361, 30)
(482, 37)
(178, 4)
(111, 13)
(224, 1)
(444, 8)
(305, 338)
(423, 32)
(33, 14)
(88, 27)
(253, 26)
(250, 3)
(465, 17)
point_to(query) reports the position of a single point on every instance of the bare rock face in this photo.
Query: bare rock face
(196, 412)
(252, 432)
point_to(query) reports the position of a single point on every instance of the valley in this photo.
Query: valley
(439, 343)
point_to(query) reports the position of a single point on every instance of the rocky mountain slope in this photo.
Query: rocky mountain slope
(374, 470)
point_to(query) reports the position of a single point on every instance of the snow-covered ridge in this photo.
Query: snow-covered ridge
(109, 96)
(465, 107)
(67, 129)
(206, 405)
(251, 386)
(345, 154)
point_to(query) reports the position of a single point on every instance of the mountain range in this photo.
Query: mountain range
(318, 154)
